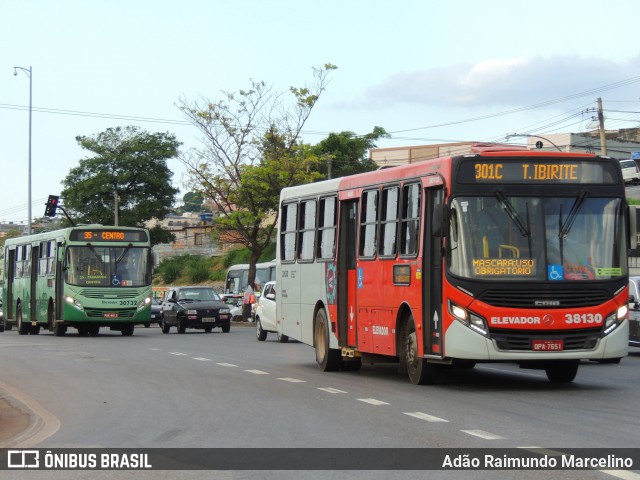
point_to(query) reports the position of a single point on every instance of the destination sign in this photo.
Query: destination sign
(536, 171)
(112, 235)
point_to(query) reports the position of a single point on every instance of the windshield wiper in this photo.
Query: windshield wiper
(513, 214)
(565, 227)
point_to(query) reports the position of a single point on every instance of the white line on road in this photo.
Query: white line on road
(257, 372)
(483, 434)
(331, 390)
(177, 353)
(292, 380)
(202, 359)
(372, 401)
(227, 365)
(426, 417)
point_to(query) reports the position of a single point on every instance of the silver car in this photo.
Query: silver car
(266, 318)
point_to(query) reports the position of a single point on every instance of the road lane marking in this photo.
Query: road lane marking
(292, 380)
(624, 474)
(483, 434)
(426, 417)
(202, 359)
(231, 365)
(257, 372)
(177, 353)
(331, 390)
(42, 426)
(372, 401)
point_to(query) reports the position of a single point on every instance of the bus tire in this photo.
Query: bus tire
(562, 372)
(419, 370)
(328, 360)
(208, 329)
(7, 325)
(94, 330)
(261, 335)
(127, 329)
(35, 330)
(59, 329)
(23, 328)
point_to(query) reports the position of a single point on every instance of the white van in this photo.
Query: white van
(630, 171)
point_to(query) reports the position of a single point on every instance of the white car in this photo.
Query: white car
(266, 314)
(630, 171)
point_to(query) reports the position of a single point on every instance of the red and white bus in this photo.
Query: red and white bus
(498, 256)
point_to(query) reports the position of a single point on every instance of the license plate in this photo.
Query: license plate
(110, 315)
(547, 345)
(208, 320)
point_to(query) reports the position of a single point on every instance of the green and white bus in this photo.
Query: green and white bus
(85, 277)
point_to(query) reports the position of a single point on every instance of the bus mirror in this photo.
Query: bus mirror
(440, 221)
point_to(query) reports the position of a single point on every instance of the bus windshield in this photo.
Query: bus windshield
(108, 266)
(537, 238)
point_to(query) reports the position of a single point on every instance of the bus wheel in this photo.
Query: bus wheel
(261, 335)
(23, 328)
(127, 330)
(94, 330)
(35, 329)
(420, 371)
(562, 372)
(351, 365)
(207, 329)
(328, 359)
(7, 325)
(59, 329)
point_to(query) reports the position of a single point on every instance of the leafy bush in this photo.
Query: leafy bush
(197, 270)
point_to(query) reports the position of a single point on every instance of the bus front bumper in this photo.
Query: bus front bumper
(461, 342)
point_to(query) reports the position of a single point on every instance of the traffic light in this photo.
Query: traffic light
(51, 206)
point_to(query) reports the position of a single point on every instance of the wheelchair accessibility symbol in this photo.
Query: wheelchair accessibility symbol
(555, 272)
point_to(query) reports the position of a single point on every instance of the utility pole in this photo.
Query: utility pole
(115, 203)
(603, 136)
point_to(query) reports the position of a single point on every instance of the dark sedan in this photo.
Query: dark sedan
(194, 307)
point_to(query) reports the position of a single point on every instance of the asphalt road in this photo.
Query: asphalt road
(215, 390)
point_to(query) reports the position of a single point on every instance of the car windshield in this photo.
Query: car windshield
(197, 295)
(537, 238)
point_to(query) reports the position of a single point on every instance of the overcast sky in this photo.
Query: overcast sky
(428, 71)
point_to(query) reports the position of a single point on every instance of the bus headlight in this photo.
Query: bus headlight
(144, 302)
(470, 319)
(74, 303)
(615, 319)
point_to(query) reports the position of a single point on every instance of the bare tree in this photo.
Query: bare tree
(251, 149)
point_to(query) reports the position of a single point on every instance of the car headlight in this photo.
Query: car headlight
(74, 303)
(473, 321)
(615, 319)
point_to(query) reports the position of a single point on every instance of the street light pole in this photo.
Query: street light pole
(29, 74)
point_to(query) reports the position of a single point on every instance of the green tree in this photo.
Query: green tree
(193, 202)
(126, 182)
(346, 153)
(252, 150)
